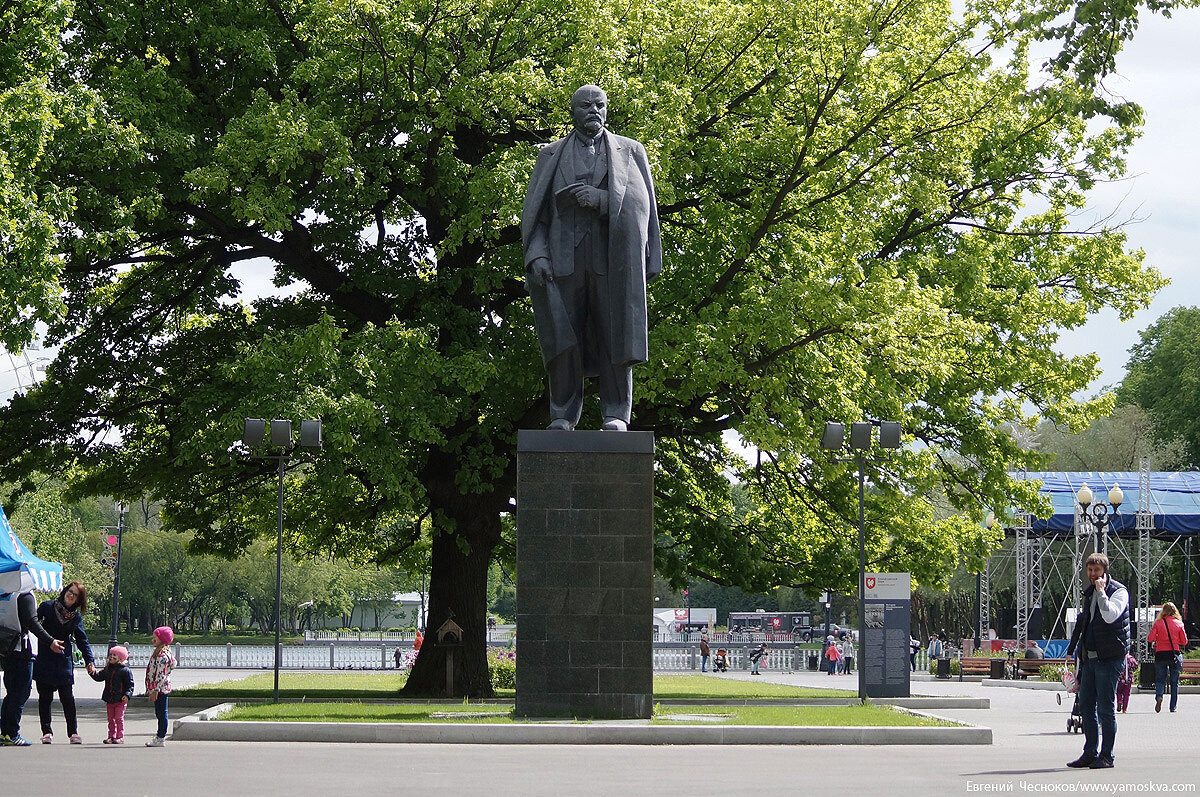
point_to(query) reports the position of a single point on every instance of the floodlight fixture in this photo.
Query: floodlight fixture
(833, 436)
(254, 432)
(860, 435)
(281, 433)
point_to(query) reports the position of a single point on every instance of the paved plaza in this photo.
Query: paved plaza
(1155, 753)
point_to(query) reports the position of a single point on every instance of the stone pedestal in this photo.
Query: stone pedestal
(585, 560)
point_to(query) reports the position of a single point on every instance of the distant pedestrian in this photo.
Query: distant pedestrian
(118, 688)
(914, 645)
(936, 648)
(418, 640)
(1168, 638)
(53, 672)
(834, 656)
(397, 655)
(756, 658)
(158, 680)
(1125, 682)
(704, 651)
(847, 655)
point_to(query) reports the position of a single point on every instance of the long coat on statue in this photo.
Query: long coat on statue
(634, 251)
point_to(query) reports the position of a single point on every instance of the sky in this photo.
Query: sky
(1160, 70)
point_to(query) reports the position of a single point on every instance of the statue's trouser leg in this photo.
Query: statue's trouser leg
(565, 373)
(616, 391)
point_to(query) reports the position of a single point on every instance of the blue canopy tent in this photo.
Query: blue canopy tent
(19, 569)
(1173, 500)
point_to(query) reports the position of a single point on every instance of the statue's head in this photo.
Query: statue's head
(589, 109)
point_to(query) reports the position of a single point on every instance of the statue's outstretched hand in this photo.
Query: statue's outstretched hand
(540, 272)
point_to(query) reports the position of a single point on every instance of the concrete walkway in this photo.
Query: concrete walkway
(1154, 752)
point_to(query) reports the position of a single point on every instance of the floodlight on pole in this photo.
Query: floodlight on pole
(253, 436)
(860, 440)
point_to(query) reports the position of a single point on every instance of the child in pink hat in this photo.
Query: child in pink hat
(118, 688)
(158, 680)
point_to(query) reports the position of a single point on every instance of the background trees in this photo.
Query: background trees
(866, 212)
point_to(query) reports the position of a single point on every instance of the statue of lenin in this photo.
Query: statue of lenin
(591, 236)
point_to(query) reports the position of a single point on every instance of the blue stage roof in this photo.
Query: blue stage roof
(1174, 500)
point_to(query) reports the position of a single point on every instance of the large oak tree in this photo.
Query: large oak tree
(867, 211)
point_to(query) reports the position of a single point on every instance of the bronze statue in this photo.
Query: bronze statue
(592, 241)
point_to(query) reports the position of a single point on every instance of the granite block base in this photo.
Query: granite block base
(585, 561)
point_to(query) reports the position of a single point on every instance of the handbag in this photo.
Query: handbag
(1172, 655)
(1070, 680)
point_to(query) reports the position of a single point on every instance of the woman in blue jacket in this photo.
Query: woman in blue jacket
(55, 672)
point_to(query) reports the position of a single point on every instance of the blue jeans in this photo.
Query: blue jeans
(703, 663)
(1098, 704)
(18, 681)
(160, 712)
(1162, 671)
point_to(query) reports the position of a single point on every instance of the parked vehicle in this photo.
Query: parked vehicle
(798, 624)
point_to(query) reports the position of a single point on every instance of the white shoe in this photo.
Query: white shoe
(156, 741)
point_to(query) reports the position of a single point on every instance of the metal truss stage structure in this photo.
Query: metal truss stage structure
(1049, 552)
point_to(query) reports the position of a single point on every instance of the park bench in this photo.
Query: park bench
(976, 665)
(981, 665)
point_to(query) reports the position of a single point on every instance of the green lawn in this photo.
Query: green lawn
(292, 685)
(825, 716)
(386, 685)
(680, 687)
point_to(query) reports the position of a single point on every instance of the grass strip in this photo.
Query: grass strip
(803, 716)
(387, 685)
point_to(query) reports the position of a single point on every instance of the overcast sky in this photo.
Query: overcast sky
(1161, 71)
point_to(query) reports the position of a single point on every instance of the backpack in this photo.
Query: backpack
(10, 623)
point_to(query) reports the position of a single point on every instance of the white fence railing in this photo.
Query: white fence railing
(677, 657)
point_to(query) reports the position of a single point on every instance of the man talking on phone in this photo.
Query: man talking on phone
(1101, 642)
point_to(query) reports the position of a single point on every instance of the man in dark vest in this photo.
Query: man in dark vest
(1101, 641)
(17, 664)
(592, 240)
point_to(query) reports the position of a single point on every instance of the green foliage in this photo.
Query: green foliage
(1162, 376)
(1051, 672)
(866, 213)
(502, 668)
(1117, 442)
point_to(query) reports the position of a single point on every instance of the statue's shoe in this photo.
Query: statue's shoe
(560, 425)
(614, 425)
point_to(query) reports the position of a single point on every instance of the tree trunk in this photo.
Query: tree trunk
(458, 591)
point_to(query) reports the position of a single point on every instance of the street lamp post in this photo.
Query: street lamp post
(253, 436)
(112, 631)
(860, 440)
(1097, 512)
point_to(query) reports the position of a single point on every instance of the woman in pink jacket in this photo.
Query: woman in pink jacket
(1167, 638)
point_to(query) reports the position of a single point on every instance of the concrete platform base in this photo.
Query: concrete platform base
(206, 726)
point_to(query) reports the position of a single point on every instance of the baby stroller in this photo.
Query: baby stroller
(1071, 682)
(721, 661)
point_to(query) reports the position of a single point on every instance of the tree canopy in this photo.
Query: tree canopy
(1163, 378)
(867, 212)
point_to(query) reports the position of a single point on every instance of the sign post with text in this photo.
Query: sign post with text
(885, 627)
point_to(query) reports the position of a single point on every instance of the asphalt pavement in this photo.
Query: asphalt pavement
(1155, 753)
